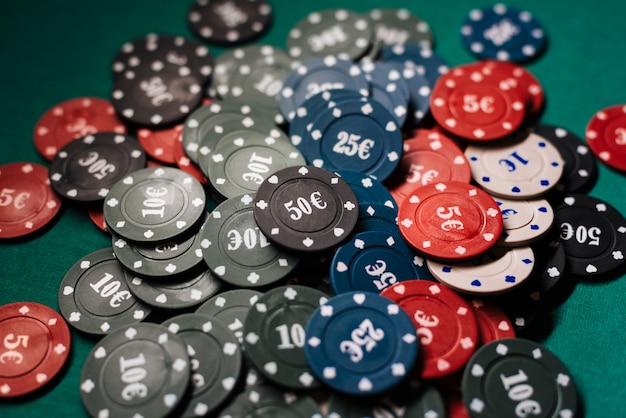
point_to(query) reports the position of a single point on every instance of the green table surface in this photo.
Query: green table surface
(51, 51)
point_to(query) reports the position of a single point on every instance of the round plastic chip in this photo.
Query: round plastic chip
(605, 136)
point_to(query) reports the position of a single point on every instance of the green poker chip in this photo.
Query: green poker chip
(509, 376)
(216, 357)
(231, 307)
(243, 160)
(236, 250)
(397, 26)
(187, 291)
(154, 205)
(139, 370)
(274, 335)
(160, 260)
(267, 401)
(94, 297)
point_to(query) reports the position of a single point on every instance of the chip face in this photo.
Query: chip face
(35, 345)
(605, 136)
(425, 61)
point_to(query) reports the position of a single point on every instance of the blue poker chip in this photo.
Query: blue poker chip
(388, 87)
(316, 75)
(503, 33)
(360, 343)
(419, 90)
(428, 63)
(367, 188)
(372, 261)
(377, 217)
(355, 135)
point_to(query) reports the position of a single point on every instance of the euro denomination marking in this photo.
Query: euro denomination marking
(365, 337)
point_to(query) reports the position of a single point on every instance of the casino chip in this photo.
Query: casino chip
(472, 105)
(72, 119)
(605, 133)
(159, 144)
(36, 343)
(550, 262)
(97, 217)
(367, 188)
(445, 322)
(360, 343)
(215, 357)
(231, 307)
(497, 271)
(185, 164)
(179, 293)
(316, 75)
(229, 21)
(388, 87)
(377, 217)
(450, 220)
(339, 32)
(305, 209)
(426, 62)
(580, 171)
(504, 33)
(372, 261)
(139, 370)
(525, 167)
(427, 156)
(398, 26)
(419, 91)
(85, 169)
(29, 203)
(525, 221)
(154, 205)
(592, 234)
(265, 400)
(236, 250)
(493, 324)
(510, 375)
(94, 297)
(274, 335)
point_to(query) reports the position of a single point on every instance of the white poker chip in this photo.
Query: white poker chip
(525, 221)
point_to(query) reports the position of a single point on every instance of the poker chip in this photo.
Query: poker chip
(159, 144)
(85, 169)
(493, 324)
(360, 343)
(274, 335)
(209, 343)
(389, 88)
(504, 33)
(185, 164)
(580, 170)
(97, 217)
(305, 208)
(419, 91)
(94, 298)
(605, 136)
(592, 234)
(444, 321)
(188, 291)
(229, 22)
(316, 75)
(29, 203)
(399, 26)
(154, 205)
(497, 271)
(372, 261)
(506, 375)
(242, 160)
(550, 262)
(425, 61)
(236, 250)
(525, 221)
(367, 188)
(428, 156)
(472, 105)
(231, 307)
(376, 217)
(141, 356)
(73, 119)
(260, 400)
(35, 347)
(450, 220)
(339, 32)
(521, 168)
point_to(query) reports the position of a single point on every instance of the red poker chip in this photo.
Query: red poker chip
(72, 119)
(28, 202)
(445, 324)
(160, 144)
(97, 217)
(184, 163)
(34, 347)
(429, 156)
(472, 105)
(450, 220)
(493, 324)
(606, 136)
(455, 408)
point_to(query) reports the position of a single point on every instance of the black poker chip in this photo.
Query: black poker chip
(85, 169)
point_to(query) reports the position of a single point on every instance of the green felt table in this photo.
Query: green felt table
(51, 51)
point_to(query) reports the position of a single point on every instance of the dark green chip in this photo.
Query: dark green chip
(267, 401)
(274, 335)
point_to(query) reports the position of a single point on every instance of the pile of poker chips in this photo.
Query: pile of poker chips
(138, 258)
